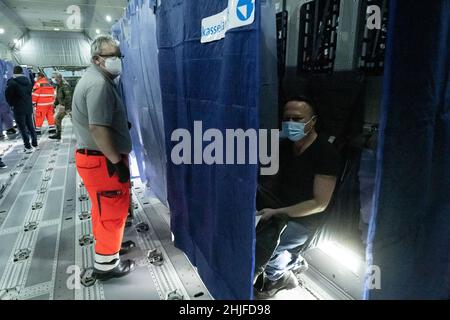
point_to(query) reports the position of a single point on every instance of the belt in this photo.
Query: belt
(90, 152)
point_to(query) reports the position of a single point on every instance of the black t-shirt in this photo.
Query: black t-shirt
(295, 178)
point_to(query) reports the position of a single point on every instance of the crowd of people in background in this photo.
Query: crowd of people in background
(29, 102)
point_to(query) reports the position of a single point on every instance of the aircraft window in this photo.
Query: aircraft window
(373, 36)
(319, 21)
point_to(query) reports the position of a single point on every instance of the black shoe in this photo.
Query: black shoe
(271, 288)
(28, 150)
(126, 247)
(34, 144)
(56, 136)
(3, 165)
(124, 268)
(11, 131)
(52, 131)
(38, 132)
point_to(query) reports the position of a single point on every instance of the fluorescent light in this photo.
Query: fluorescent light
(342, 255)
(97, 31)
(2, 31)
(56, 29)
(108, 18)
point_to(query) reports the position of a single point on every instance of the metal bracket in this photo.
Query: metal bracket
(174, 295)
(49, 169)
(9, 293)
(87, 277)
(155, 257)
(37, 205)
(85, 215)
(142, 227)
(12, 174)
(42, 190)
(30, 226)
(22, 254)
(86, 240)
(19, 165)
(83, 197)
(46, 179)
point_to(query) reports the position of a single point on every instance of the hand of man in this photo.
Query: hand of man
(122, 170)
(267, 213)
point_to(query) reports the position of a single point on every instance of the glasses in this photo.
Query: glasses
(111, 56)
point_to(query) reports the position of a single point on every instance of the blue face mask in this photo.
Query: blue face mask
(294, 131)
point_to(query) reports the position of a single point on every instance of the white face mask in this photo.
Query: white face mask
(113, 65)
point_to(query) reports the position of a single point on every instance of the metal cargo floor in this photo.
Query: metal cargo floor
(45, 233)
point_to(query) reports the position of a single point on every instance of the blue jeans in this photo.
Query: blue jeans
(26, 126)
(286, 257)
(6, 118)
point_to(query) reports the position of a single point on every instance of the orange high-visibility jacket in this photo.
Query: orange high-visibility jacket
(43, 93)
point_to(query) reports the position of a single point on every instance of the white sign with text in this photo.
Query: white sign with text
(238, 14)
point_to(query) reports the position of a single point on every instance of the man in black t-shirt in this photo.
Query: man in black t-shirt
(300, 191)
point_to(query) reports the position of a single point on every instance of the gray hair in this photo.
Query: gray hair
(100, 42)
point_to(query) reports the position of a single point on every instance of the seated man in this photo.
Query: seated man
(302, 188)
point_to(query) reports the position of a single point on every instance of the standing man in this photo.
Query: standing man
(63, 103)
(44, 98)
(18, 96)
(103, 145)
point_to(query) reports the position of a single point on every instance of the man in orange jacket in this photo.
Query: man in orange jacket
(44, 100)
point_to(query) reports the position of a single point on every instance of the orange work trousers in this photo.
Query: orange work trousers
(110, 201)
(45, 112)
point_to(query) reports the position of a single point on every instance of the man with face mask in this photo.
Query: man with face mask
(103, 145)
(292, 203)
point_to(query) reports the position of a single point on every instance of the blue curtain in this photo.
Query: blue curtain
(6, 72)
(212, 207)
(2, 82)
(141, 91)
(409, 236)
